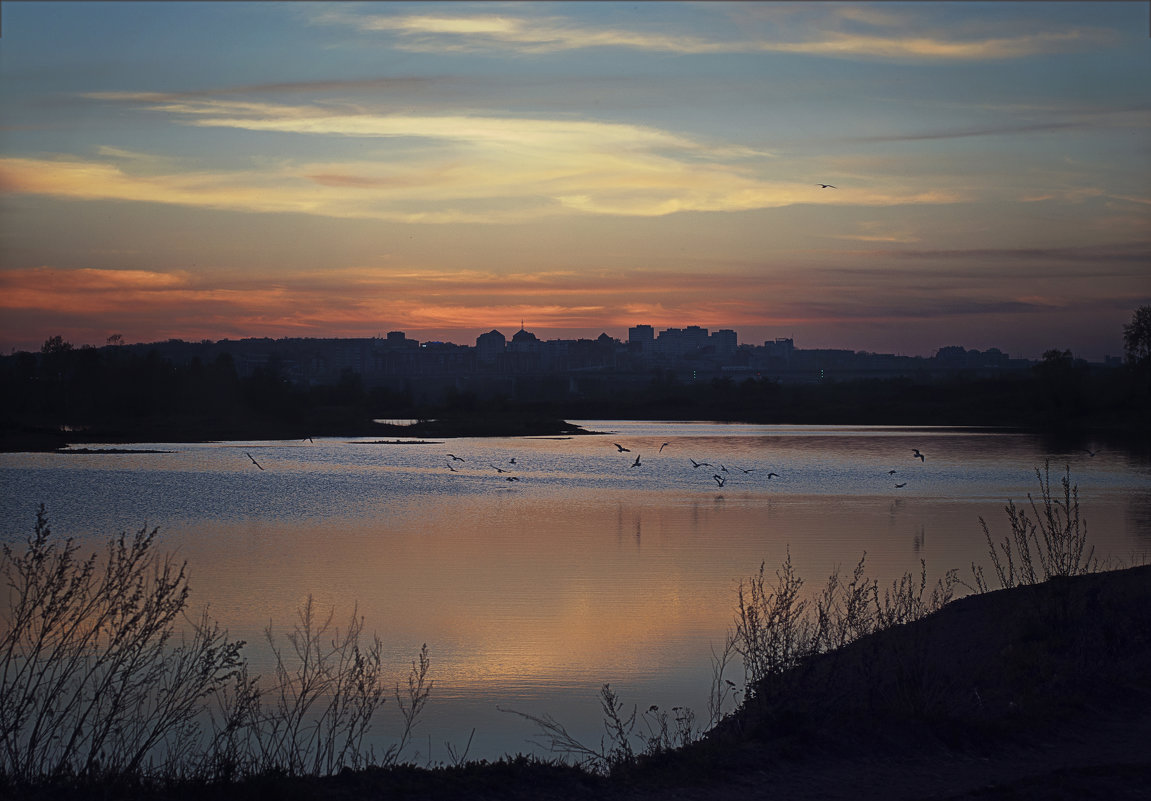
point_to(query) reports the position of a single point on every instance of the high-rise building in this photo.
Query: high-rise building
(489, 346)
(724, 341)
(642, 336)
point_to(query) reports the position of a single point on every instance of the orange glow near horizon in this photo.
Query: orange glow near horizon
(149, 306)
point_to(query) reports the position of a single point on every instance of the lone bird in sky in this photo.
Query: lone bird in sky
(636, 462)
(661, 447)
(904, 484)
(915, 452)
(826, 186)
(770, 476)
(620, 448)
(257, 464)
(890, 472)
(456, 458)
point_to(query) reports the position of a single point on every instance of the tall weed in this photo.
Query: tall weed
(1052, 543)
(103, 674)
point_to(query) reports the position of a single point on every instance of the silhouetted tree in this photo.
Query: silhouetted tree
(55, 345)
(1137, 336)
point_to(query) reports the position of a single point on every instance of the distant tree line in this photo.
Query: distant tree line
(124, 393)
(112, 389)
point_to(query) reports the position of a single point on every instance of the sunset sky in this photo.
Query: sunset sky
(212, 170)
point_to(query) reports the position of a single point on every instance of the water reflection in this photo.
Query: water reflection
(533, 593)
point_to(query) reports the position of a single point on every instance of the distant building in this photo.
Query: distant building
(524, 342)
(724, 341)
(678, 342)
(641, 337)
(397, 340)
(780, 348)
(489, 346)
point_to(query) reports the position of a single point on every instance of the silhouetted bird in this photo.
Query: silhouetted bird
(456, 458)
(512, 478)
(827, 186)
(661, 447)
(452, 468)
(512, 460)
(720, 480)
(694, 463)
(497, 469)
(770, 476)
(257, 464)
(1088, 452)
(745, 472)
(723, 468)
(890, 472)
(915, 452)
(904, 484)
(636, 462)
(620, 448)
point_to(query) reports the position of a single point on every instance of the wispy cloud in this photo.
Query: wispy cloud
(406, 84)
(451, 168)
(1134, 252)
(988, 130)
(549, 34)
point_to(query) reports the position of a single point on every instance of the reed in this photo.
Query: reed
(104, 676)
(1051, 543)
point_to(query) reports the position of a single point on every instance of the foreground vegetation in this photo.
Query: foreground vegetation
(102, 694)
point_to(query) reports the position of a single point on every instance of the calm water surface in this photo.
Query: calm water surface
(531, 594)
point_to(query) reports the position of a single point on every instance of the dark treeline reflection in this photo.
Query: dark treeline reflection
(114, 393)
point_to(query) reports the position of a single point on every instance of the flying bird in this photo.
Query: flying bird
(745, 472)
(512, 478)
(497, 469)
(620, 448)
(636, 462)
(661, 447)
(512, 460)
(770, 476)
(719, 479)
(915, 452)
(1088, 452)
(456, 458)
(694, 463)
(890, 472)
(257, 464)
(827, 186)
(904, 484)
(452, 468)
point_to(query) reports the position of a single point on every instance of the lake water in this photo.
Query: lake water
(588, 569)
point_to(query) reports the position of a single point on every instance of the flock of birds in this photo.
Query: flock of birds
(720, 480)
